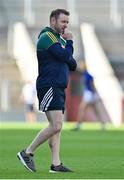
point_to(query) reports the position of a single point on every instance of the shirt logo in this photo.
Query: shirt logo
(63, 46)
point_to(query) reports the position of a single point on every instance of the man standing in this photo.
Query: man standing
(28, 97)
(55, 60)
(89, 99)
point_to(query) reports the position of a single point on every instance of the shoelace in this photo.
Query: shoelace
(61, 167)
(28, 159)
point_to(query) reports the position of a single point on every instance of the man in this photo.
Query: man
(89, 100)
(28, 97)
(55, 60)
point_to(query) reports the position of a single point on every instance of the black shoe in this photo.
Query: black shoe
(59, 168)
(26, 160)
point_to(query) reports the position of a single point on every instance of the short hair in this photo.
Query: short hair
(55, 13)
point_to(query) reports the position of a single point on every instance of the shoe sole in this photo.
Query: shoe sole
(50, 171)
(23, 162)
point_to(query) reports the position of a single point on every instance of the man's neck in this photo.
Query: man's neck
(54, 29)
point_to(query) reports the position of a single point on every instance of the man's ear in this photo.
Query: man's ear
(53, 20)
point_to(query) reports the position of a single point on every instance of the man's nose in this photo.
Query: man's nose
(66, 25)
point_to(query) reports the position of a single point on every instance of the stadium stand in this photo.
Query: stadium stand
(92, 11)
(8, 68)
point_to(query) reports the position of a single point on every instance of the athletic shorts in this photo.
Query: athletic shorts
(51, 98)
(89, 97)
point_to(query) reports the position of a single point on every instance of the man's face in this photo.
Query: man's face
(60, 24)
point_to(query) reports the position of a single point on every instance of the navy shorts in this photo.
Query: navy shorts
(51, 98)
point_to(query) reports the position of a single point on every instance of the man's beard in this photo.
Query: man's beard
(58, 30)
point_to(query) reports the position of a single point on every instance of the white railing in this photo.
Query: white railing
(24, 53)
(106, 82)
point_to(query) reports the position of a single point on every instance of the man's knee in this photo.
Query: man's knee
(55, 120)
(57, 126)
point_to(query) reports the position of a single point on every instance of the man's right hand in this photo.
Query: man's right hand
(67, 35)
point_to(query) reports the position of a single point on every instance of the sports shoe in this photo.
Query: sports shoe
(26, 160)
(59, 168)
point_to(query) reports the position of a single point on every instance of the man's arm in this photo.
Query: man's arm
(49, 42)
(72, 64)
(66, 55)
(62, 54)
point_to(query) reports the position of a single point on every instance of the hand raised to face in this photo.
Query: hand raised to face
(67, 35)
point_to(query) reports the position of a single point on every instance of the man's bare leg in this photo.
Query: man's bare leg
(81, 112)
(54, 141)
(99, 116)
(30, 117)
(55, 125)
(52, 132)
(54, 144)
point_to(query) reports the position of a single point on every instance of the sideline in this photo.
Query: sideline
(66, 126)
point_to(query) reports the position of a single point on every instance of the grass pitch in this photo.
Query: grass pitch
(91, 153)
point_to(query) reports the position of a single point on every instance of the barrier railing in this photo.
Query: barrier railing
(24, 53)
(106, 82)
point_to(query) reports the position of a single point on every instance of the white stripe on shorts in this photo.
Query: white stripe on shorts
(48, 103)
(46, 98)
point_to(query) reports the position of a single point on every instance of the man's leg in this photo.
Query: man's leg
(81, 112)
(54, 144)
(30, 114)
(55, 125)
(54, 141)
(52, 132)
(31, 117)
(99, 116)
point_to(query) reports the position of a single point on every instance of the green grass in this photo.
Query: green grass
(91, 153)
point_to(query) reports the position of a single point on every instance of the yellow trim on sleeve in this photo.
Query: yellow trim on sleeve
(52, 37)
